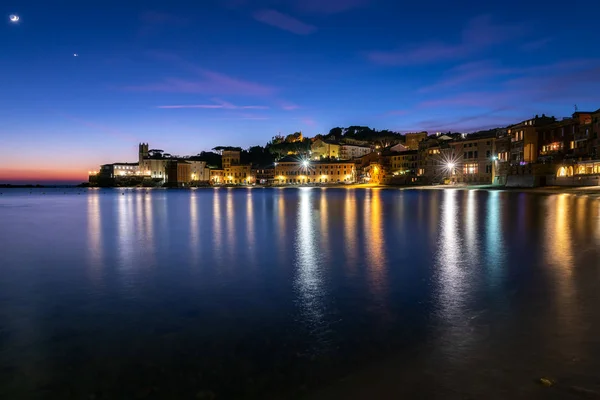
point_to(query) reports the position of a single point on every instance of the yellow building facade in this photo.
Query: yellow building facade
(298, 172)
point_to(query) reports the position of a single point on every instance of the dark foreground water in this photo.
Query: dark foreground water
(271, 293)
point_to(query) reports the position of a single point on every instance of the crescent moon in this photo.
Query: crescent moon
(14, 18)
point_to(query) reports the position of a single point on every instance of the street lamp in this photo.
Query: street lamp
(305, 163)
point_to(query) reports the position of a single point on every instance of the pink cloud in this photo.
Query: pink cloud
(309, 121)
(284, 22)
(289, 106)
(479, 33)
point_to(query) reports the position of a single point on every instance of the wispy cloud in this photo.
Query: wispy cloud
(220, 104)
(467, 74)
(284, 22)
(329, 6)
(536, 44)
(479, 34)
(305, 6)
(204, 81)
(288, 106)
(397, 112)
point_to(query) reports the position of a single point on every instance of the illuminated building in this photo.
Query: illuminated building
(291, 170)
(475, 159)
(524, 139)
(322, 148)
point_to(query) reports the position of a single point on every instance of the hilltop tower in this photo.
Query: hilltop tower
(143, 152)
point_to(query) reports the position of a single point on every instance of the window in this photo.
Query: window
(470, 169)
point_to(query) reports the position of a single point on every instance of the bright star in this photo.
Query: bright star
(75, 55)
(14, 18)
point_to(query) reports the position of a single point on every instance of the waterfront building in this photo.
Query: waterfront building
(217, 176)
(524, 139)
(263, 174)
(199, 171)
(475, 156)
(152, 164)
(291, 170)
(179, 173)
(432, 159)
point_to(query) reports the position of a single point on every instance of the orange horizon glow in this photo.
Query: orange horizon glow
(42, 175)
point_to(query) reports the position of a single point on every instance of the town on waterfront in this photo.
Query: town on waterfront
(539, 151)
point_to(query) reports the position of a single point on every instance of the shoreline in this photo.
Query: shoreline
(576, 190)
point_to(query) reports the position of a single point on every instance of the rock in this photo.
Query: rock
(546, 381)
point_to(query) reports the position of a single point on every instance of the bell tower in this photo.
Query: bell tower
(143, 152)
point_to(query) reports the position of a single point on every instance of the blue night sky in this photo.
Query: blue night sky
(187, 76)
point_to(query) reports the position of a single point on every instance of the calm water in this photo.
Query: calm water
(113, 294)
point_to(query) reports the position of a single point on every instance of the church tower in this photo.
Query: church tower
(143, 152)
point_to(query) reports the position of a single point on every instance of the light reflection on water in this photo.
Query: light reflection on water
(225, 285)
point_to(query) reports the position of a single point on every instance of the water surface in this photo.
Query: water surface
(276, 293)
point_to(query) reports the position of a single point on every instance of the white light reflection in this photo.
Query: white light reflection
(230, 219)
(495, 243)
(309, 275)
(148, 219)
(471, 238)
(94, 235)
(452, 281)
(324, 217)
(250, 228)
(125, 237)
(194, 228)
(217, 228)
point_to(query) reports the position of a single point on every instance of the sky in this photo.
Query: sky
(188, 76)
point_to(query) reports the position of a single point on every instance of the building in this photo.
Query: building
(152, 164)
(432, 159)
(524, 139)
(475, 156)
(412, 140)
(238, 175)
(217, 176)
(198, 169)
(293, 171)
(230, 157)
(403, 163)
(350, 152)
(596, 134)
(264, 175)
(116, 174)
(179, 173)
(322, 148)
